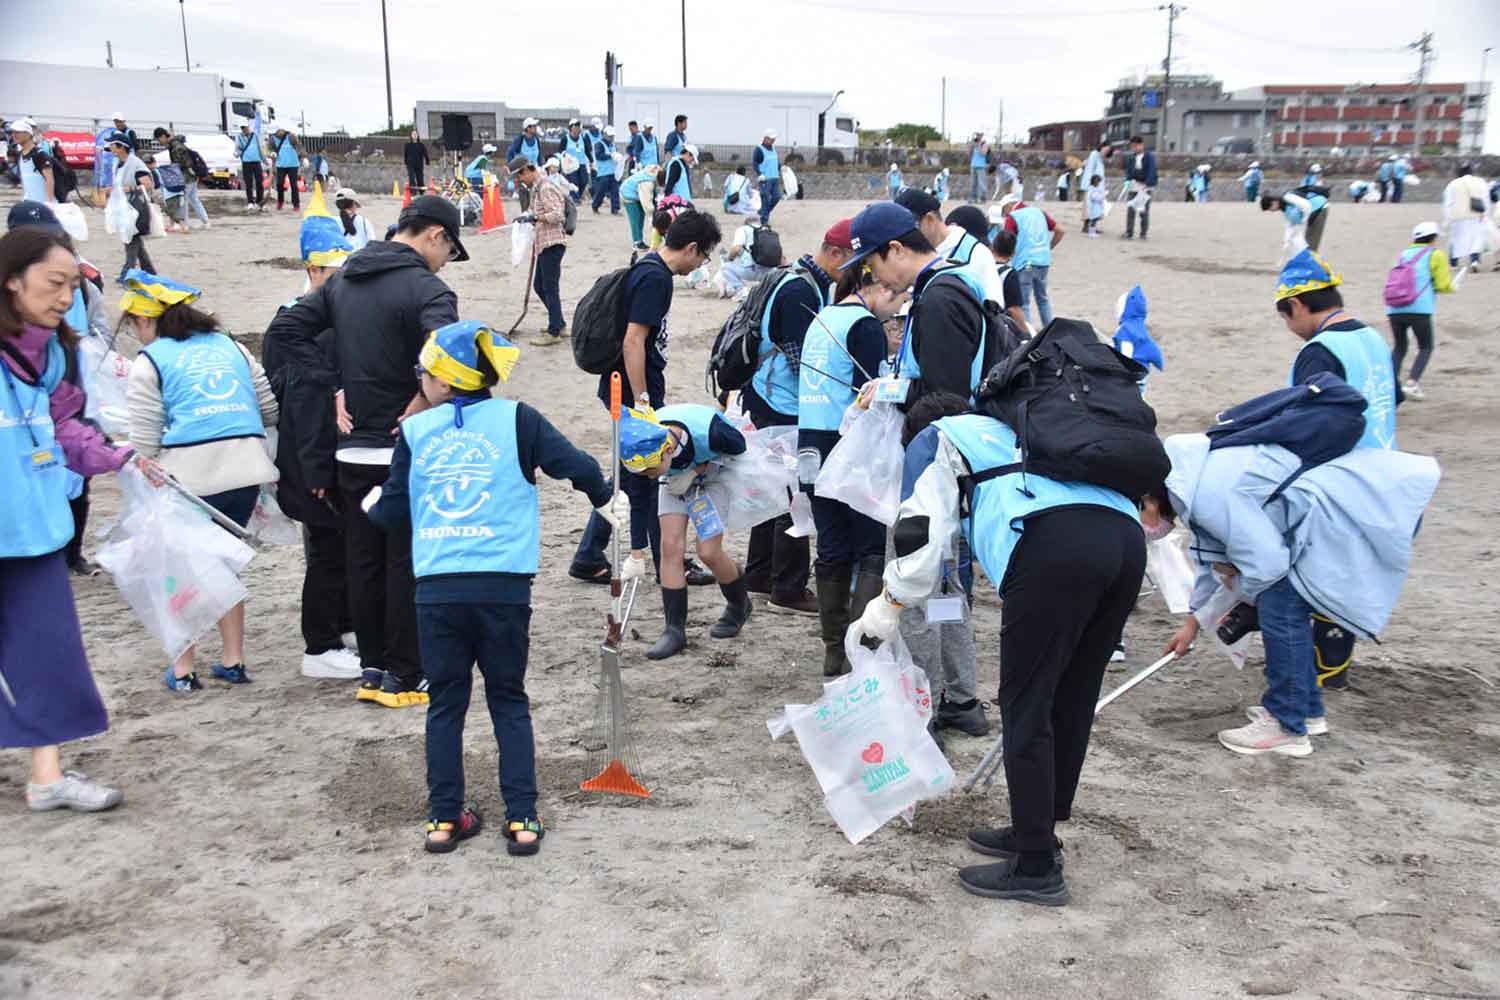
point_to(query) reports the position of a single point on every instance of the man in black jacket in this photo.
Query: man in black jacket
(416, 157)
(1140, 179)
(380, 307)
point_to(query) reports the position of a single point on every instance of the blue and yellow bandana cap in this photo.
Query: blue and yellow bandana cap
(452, 352)
(147, 294)
(1306, 272)
(322, 239)
(643, 440)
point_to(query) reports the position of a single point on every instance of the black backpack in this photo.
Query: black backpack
(735, 357)
(1318, 421)
(765, 247)
(1075, 404)
(200, 167)
(64, 179)
(599, 321)
(570, 215)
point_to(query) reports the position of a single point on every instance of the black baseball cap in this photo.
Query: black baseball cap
(440, 210)
(33, 214)
(972, 220)
(917, 201)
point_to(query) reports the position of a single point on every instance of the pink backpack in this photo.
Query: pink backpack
(1401, 286)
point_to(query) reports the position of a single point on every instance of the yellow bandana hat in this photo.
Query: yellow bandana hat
(322, 239)
(1306, 272)
(451, 354)
(643, 440)
(147, 294)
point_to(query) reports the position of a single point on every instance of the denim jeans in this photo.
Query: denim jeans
(645, 528)
(580, 179)
(770, 197)
(976, 184)
(607, 187)
(1034, 282)
(454, 638)
(548, 282)
(190, 202)
(1292, 692)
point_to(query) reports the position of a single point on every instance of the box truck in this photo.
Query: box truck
(803, 119)
(75, 98)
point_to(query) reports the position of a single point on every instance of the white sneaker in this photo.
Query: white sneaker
(1414, 391)
(336, 664)
(1118, 656)
(1315, 727)
(74, 791)
(350, 641)
(1265, 736)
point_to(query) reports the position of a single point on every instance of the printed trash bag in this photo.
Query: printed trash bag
(177, 569)
(269, 524)
(521, 235)
(866, 739)
(71, 218)
(864, 469)
(120, 215)
(1167, 565)
(756, 486)
(106, 378)
(1220, 604)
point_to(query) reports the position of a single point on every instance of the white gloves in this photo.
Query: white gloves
(635, 569)
(370, 500)
(613, 511)
(881, 619)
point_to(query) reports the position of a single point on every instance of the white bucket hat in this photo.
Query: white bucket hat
(1422, 229)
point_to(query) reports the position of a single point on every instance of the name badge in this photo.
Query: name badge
(43, 459)
(892, 390)
(945, 609)
(705, 517)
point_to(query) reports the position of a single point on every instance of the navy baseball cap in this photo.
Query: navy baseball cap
(33, 214)
(876, 226)
(918, 201)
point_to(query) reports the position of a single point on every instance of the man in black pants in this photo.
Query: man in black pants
(416, 156)
(381, 306)
(252, 167)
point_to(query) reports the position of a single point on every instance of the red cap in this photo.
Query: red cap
(838, 235)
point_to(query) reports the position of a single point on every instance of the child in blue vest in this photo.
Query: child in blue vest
(684, 446)
(200, 404)
(1306, 213)
(1430, 267)
(463, 482)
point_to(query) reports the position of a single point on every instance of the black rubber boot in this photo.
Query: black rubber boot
(674, 637)
(833, 614)
(736, 610)
(867, 587)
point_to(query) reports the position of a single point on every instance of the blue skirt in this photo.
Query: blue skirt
(42, 658)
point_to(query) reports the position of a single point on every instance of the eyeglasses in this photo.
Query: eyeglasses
(452, 244)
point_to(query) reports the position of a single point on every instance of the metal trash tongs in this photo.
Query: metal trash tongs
(618, 616)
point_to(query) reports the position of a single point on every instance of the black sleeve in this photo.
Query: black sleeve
(950, 330)
(539, 445)
(392, 512)
(1012, 286)
(439, 308)
(866, 342)
(1313, 359)
(793, 311)
(724, 437)
(295, 329)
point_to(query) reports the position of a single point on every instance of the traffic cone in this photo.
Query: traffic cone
(301, 186)
(395, 189)
(487, 221)
(499, 207)
(431, 186)
(406, 200)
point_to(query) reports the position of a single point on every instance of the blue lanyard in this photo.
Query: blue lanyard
(26, 415)
(1329, 319)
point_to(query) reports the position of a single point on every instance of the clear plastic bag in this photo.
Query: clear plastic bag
(521, 235)
(1167, 565)
(120, 216)
(71, 218)
(756, 486)
(866, 739)
(269, 524)
(178, 571)
(864, 469)
(106, 379)
(158, 219)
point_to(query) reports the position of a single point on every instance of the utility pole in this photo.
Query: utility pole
(385, 36)
(182, 10)
(684, 44)
(109, 54)
(1172, 9)
(1000, 127)
(1423, 46)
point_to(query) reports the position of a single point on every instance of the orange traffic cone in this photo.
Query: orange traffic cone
(431, 186)
(499, 205)
(407, 200)
(487, 221)
(301, 186)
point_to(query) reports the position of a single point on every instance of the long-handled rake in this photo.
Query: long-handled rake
(526, 301)
(991, 763)
(612, 757)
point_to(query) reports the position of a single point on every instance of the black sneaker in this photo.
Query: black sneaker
(1000, 842)
(396, 693)
(370, 679)
(966, 718)
(805, 603)
(589, 574)
(1002, 881)
(84, 568)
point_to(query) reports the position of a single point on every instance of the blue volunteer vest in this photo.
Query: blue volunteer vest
(37, 517)
(1367, 367)
(770, 164)
(650, 152)
(774, 381)
(604, 158)
(531, 149)
(1309, 179)
(206, 390)
(821, 401)
(1000, 506)
(249, 148)
(978, 158)
(630, 187)
(1294, 214)
(683, 188)
(1253, 181)
(1426, 300)
(472, 510)
(963, 251)
(907, 365)
(474, 172)
(575, 148)
(286, 153)
(697, 419)
(1033, 239)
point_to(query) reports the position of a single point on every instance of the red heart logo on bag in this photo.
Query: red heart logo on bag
(873, 754)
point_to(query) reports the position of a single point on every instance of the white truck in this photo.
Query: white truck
(84, 97)
(804, 120)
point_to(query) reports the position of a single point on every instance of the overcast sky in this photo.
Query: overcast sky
(323, 57)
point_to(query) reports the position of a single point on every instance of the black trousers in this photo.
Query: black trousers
(254, 178)
(136, 255)
(414, 178)
(325, 600)
(381, 586)
(776, 563)
(1072, 581)
(1420, 326)
(80, 507)
(287, 176)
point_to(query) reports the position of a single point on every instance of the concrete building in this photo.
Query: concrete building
(488, 121)
(1066, 137)
(1227, 125)
(1135, 108)
(1368, 118)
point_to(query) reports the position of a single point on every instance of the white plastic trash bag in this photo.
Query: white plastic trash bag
(119, 215)
(268, 524)
(755, 486)
(789, 184)
(1168, 566)
(866, 739)
(176, 568)
(106, 378)
(521, 235)
(864, 469)
(70, 217)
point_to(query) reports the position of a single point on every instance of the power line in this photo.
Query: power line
(1293, 44)
(1007, 15)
